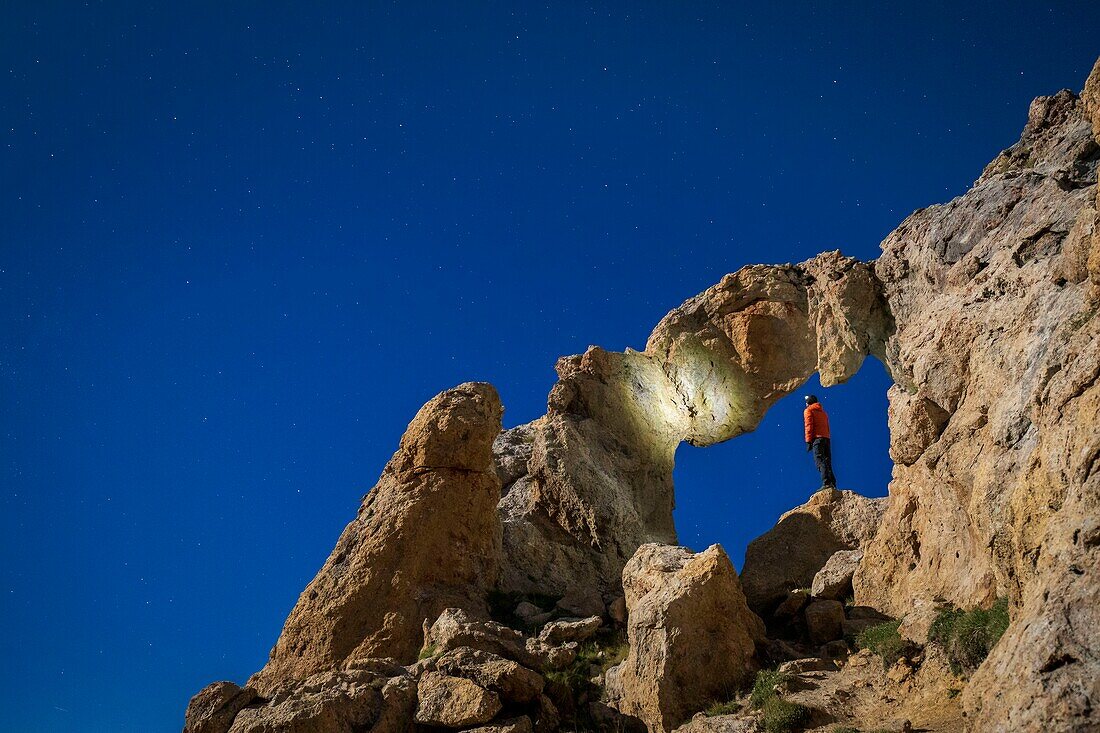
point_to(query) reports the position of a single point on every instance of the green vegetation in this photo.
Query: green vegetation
(763, 688)
(885, 641)
(594, 657)
(428, 650)
(968, 636)
(602, 652)
(779, 715)
(723, 708)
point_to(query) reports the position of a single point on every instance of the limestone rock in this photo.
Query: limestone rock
(789, 555)
(598, 478)
(834, 580)
(824, 621)
(915, 423)
(721, 724)
(213, 709)
(455, 629)
(327, 702)
(565, 630)
(453, 702)
(511, 681)
(691, 635)
(995, 325)
(427, 537)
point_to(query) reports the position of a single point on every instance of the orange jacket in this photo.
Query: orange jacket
(817, 422)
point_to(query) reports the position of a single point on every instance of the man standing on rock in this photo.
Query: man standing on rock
(817, 440)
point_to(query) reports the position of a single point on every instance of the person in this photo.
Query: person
(818, 440)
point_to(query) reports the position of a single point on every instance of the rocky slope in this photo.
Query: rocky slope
(983, 311)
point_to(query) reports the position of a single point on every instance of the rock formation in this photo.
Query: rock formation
(598, 476)
(996, 355)
(831, 521)
(426, 538)
(691, 635)
(984, 312)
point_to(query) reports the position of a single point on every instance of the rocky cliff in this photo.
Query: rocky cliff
(492, 556)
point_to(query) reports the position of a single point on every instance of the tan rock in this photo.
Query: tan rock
(789, 555)
(691, 635)
(834, 580)
(721, 724)
(427, 537)
(511, 681)
(996, 326)
(566, 630)
(453, 702)
(598, 479)
(213, 709)
(327, 702)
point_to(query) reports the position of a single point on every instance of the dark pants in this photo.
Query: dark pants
(823, 457)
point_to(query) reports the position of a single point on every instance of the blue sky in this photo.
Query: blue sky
(240, 246)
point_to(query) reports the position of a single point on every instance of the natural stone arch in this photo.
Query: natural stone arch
(591, 481)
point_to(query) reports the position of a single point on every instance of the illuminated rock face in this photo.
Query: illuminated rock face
(598, 478)
(994, 425)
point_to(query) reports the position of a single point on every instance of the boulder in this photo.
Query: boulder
(789, 555)
(427, 537)
(455, 628)
(566, 630)
(834, 580)
(513, 682)
(328, 702)
(740, 723)
(824, 621)
(690, 632)
(453, 702)
(213, 709)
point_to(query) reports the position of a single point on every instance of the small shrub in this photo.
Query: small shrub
(781, 716)
(722, 708)
(428, 650)
(885, 641)
(967, 637)
(763, 689)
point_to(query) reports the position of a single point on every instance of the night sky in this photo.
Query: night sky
(240, 247)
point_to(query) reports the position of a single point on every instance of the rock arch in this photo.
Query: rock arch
(591, 481)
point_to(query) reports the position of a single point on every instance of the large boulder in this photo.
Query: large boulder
(691, 635)
(790, 554)
(510, 680)
(834, 580)
(327, 702)
(427, 537)
(453, 702)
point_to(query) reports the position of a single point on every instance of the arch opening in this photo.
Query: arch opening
(734, 491)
